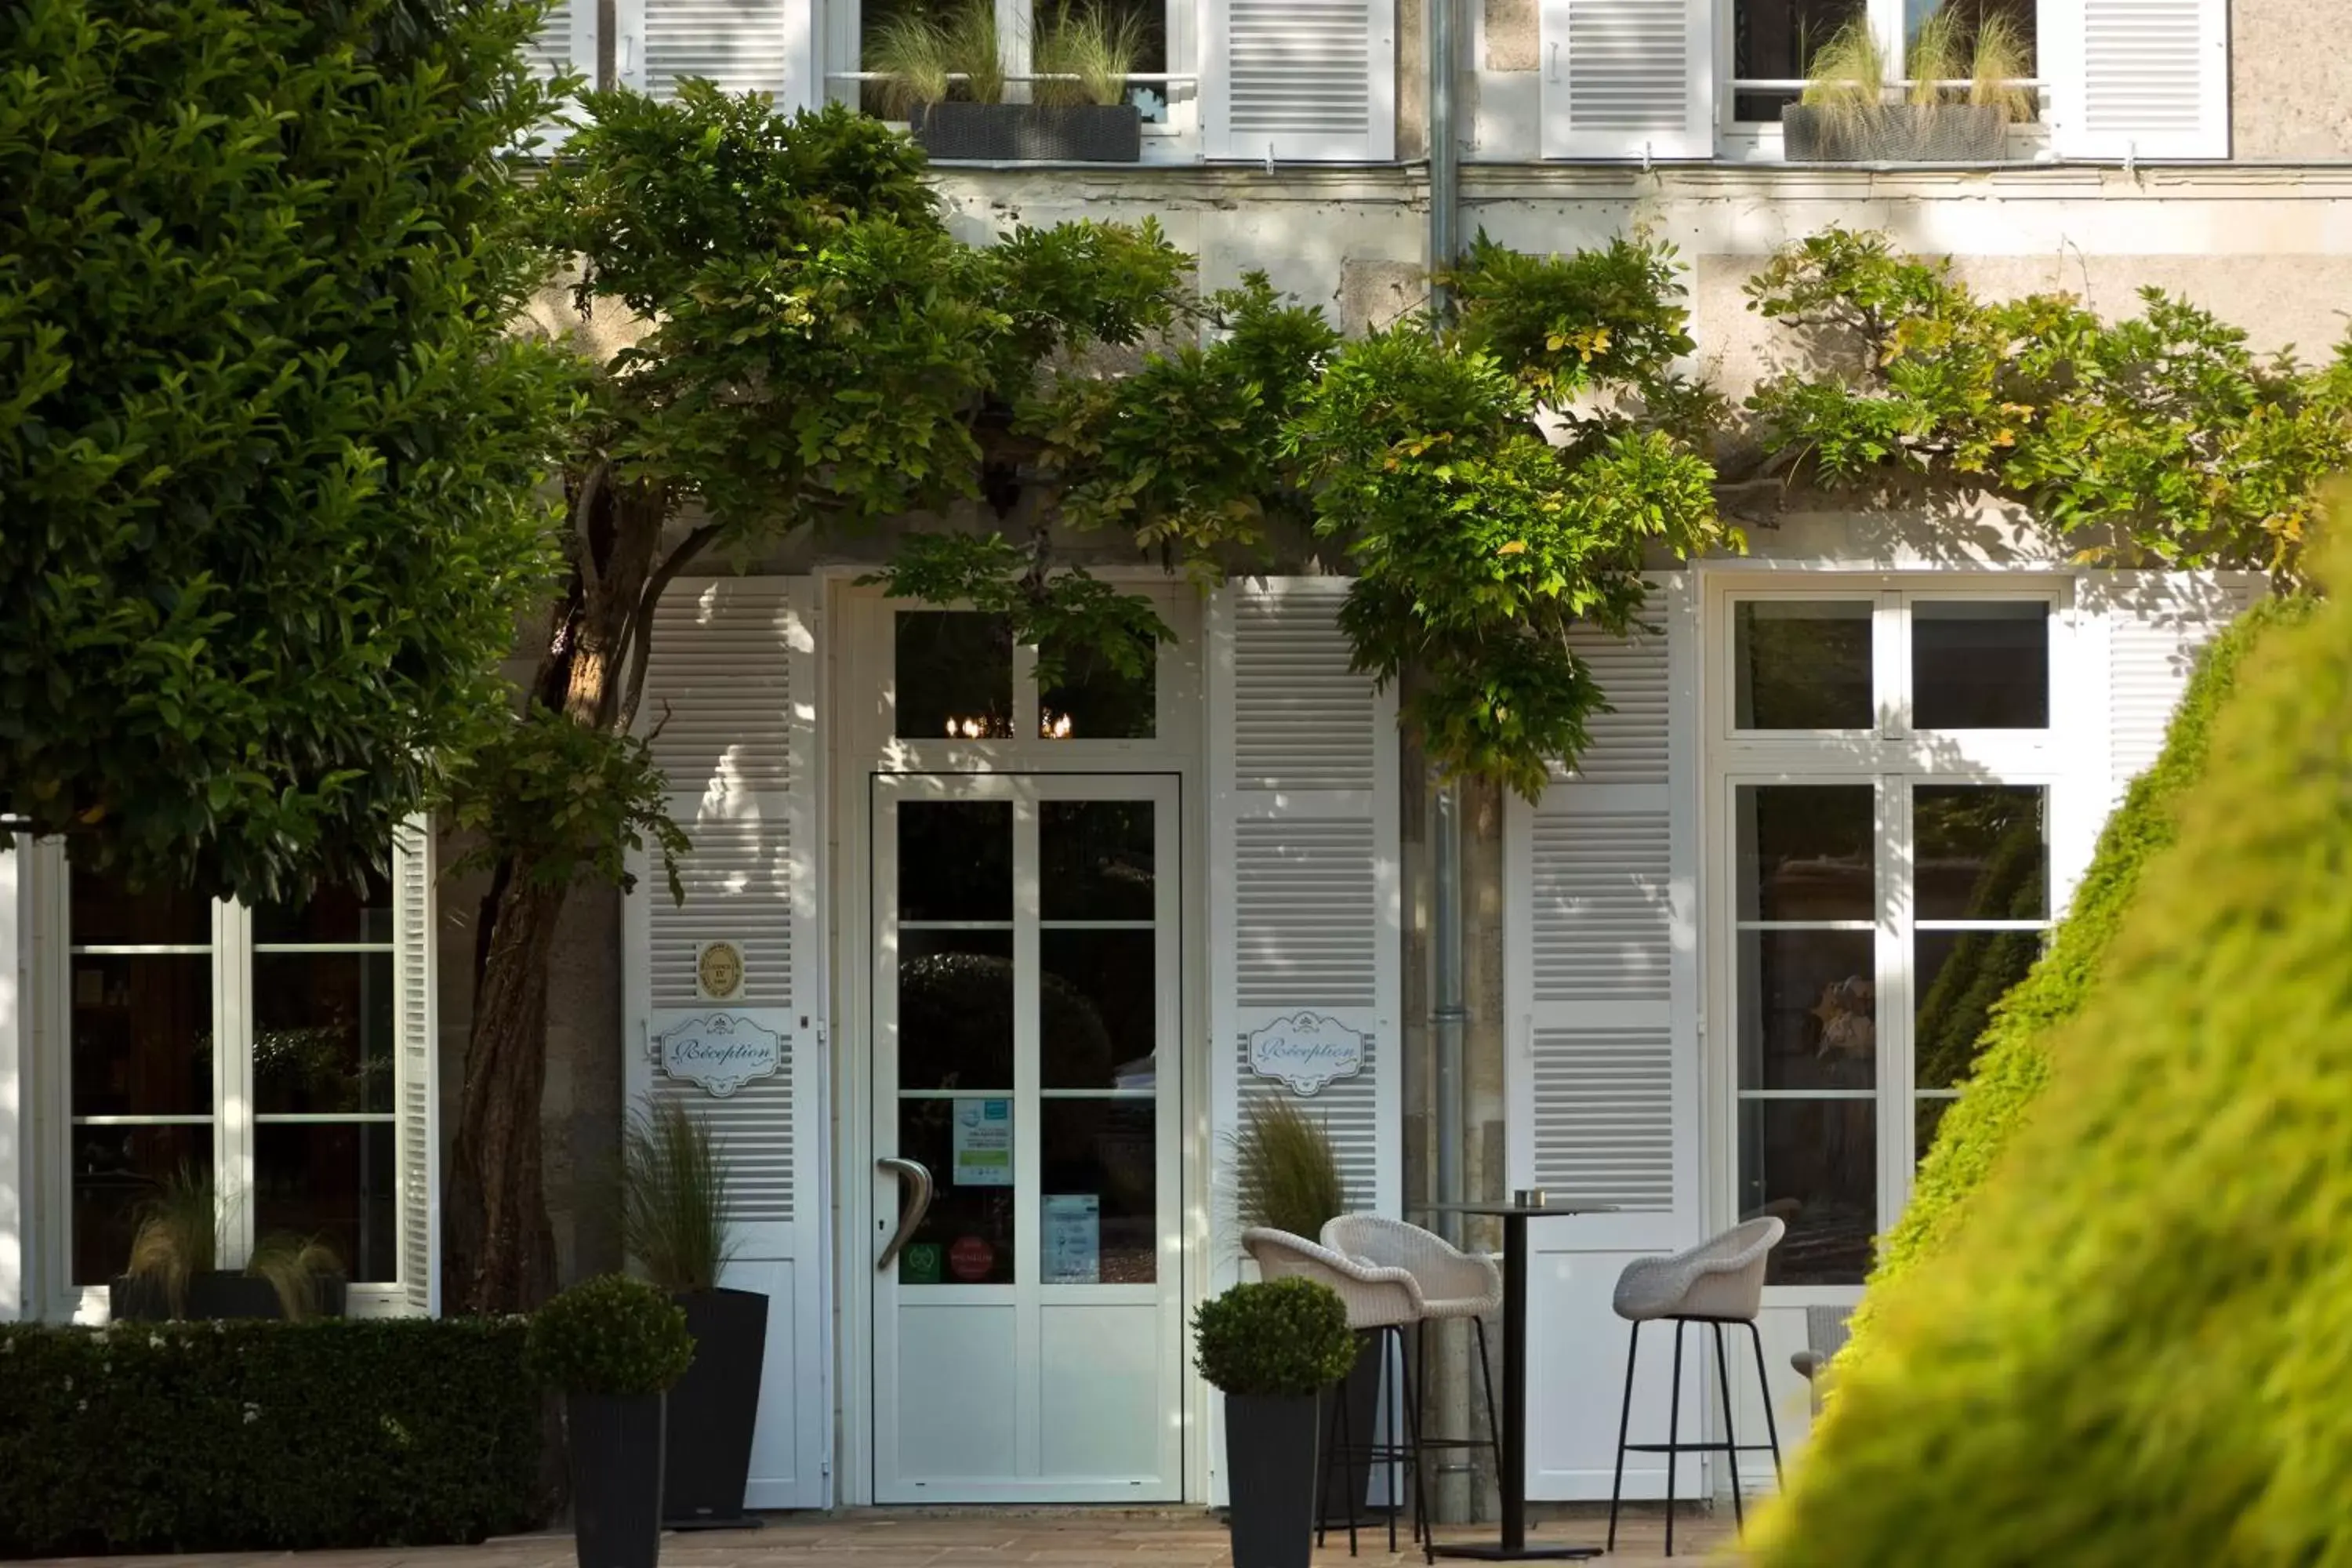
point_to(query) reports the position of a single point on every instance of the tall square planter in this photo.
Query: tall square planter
(1270, 1470)
(616, 1479)
(714, 1410)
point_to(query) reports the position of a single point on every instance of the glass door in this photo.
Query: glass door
(1028, 1333)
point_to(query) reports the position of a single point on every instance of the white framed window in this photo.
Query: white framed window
(1771, 44)
(278, 1054)
(1891, 777)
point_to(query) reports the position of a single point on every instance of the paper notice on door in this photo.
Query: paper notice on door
(1073, 1238)
(983, 1142)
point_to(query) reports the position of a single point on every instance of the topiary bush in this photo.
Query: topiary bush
(2137, 1348)
(2014, 1050)
(611, 1334)
(1282, 1337)
(247, 1436)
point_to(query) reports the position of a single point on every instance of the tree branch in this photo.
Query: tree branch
(640, 640)
(583, 510)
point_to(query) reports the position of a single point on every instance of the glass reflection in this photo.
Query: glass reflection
(322, 1032)
(1814, 1163)
(1097, 859)
(1090, 700)
(1802, 665)
(1805, 852)
(1957, 976)
(1104, 1149)
(1099, 1009)
(337, 914)
(1982, 852)
(331, 1182)
(955, 860)
(143, 1034)
(954, 675)
(117, 1171)
(1808, 1010)
(966, 1238)
(955, 1010)
(1980, 666)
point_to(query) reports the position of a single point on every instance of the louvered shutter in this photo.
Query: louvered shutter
(416, 1094)
(730, 703)
(743, 46)
(2138, 79)
(1628, 79)
(2154, 623)
(565, 43)
(1304, 882)
(1299, 80)
(1601, 979)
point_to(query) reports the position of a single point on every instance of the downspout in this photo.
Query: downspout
(1447, 1017)
(1444, 170)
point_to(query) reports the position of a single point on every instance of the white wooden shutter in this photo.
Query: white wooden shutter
(2154, 623)
(730, 702)
(2137, 78)
(1299, 80)
(742, 45)
(566, 41)
(417, 1093)
(1601, 981)
(1628, 79)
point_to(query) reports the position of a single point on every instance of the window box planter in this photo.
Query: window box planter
(1033, 132)
(216, 1295)
(1896, 133)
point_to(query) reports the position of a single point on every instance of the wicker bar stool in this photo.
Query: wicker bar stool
(1454, 1284)
(1716, 1282)
(1382, 1303)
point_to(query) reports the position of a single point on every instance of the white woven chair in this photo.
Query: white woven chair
(1454, 1284)
(1719, 1281)
(1382, 1300)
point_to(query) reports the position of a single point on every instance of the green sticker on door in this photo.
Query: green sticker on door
(919, 1264)
(983, 1142)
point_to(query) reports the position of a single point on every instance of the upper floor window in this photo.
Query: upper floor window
(1892, 664)
(958, 677)
(1878, 48)
(935, 63)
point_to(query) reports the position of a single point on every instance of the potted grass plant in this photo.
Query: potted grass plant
(1080, 113)
(946, 75)
(303, 1274)
(612, 1346)
(172, 1272)
(1849, 113)
(676, 1225)
(1286, 1177)
(1270, 1348)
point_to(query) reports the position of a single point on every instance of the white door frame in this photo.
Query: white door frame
(858, 743)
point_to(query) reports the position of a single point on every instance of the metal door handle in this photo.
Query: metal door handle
(911, 1174)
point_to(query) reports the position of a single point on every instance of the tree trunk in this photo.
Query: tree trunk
(501, 1245)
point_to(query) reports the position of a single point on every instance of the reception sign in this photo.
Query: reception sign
(720, 1052)
(1308, 1051)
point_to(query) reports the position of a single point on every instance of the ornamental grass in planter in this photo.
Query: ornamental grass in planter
(172, 1270)
(613, 1346)
(1845, 115)
(1270, 1348)
(947, 76)
(675, 1224)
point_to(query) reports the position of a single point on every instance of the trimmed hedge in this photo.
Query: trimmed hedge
(2137, 1349)
(264, 1436)
(2013, 1052)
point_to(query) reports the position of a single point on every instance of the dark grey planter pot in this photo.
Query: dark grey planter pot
(221, 1296)
(1361, 1390)
(980, 132)
(136, 1301)
(1078, 133)
(1270, 1478)
(616, 1479)
(713, 1411)
(1895, 133)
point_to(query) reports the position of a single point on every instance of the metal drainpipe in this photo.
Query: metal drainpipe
(1448, 1016)
(1444, 182)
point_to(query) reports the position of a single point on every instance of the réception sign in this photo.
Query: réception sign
(720, 1052)
(1308, 1051)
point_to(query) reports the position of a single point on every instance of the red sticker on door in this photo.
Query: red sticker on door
(968, 1258)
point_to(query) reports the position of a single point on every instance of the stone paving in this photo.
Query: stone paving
(895, 1538)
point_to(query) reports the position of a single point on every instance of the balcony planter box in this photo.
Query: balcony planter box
(713, 1410)
(1896, 133)
(214, 1295)
(1006, 132)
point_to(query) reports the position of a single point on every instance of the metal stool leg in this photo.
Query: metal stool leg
(1624, 1420)
(1331, 1436)
(1673, 1435)
(1730, 1431)
(1771, 1426)
(1392, 1341)
(1486, 1376)
(1412, 1437)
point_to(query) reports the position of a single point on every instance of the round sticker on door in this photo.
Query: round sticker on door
(968, 1258)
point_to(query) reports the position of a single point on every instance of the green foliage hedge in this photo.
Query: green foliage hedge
(2013, 1051)
(2136, 1351)
(264, 1436)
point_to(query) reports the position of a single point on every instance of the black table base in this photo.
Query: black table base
(1487, 1552)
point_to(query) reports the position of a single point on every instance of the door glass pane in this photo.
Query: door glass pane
(1097, 857)
(1100, 1210)
(1097, 1004)
(143, 1034)
(954, 676)
(1091, 700)
(1775, 40)
(323, 1031)
(955, 860)
(107, 913)
(335, 914)
(1982, 852)
(965, 1142)
(1805, 852)
(1982, 666)
(955, 1010)
(1813, 1163)
(332, 1183)
(1809, 1009)
(116, 1171)
(1802, 665)
(1958, 975)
